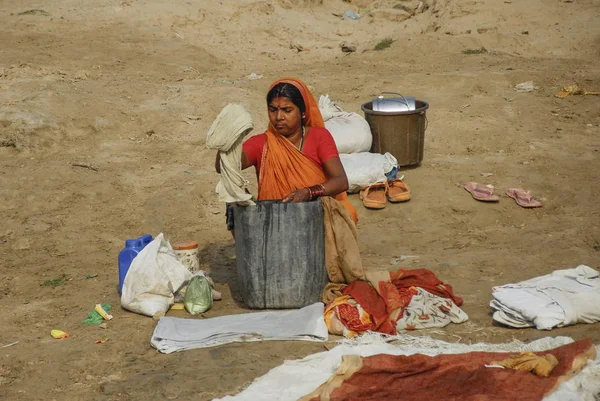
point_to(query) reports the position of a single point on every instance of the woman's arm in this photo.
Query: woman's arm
(245, 163)
(336, 184)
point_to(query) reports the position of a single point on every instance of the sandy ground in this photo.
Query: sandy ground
(131, 87)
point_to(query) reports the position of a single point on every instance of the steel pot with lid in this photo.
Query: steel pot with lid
(393, 104)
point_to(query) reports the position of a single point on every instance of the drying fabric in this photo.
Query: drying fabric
(226, 135)
(541, 365)
(296, 378)
(177, 334)
(363, 309)
(561, 298)
(426, 279)
(345, 317)
(284, 168)
(458, 377)
(427, 311)
(342, 256)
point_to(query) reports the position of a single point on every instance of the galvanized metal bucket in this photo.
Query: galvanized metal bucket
(393, 104)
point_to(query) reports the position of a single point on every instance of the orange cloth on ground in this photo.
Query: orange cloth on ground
(284, 168)
(344, 316)
(360, 299)
(386, 309)
(423, 278)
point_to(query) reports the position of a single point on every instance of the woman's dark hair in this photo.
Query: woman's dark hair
(283, 89)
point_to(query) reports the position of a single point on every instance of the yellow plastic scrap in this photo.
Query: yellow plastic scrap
(573, 90)
(59, 334)
(98, 308)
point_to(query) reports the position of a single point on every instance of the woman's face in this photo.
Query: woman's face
(285, 116)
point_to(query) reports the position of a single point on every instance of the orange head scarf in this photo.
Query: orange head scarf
(284, 168)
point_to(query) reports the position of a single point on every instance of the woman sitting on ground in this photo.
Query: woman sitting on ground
(296, 159)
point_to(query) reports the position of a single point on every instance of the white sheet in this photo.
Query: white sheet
(561, 298)
(295, 379)
(176, 334)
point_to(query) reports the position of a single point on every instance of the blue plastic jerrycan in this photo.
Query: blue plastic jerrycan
(132, 248)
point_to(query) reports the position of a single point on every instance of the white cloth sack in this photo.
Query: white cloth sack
(350, 131)
(175, 334)
(561, 298)
(154, 275)
(226, 135)
(364, 169)
(295, 379)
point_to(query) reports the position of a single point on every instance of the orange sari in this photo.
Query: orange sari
(284, 168)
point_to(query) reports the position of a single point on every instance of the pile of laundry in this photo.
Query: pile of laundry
(393, 301)
(561, 298)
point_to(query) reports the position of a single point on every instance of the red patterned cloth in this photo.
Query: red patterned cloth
(425, 279)
(450, 377)
(362, 308)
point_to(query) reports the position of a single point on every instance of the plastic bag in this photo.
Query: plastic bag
(364, 169)
(96, 318)
(198, 296)
(154, 275)
(350, 131)
(180, 294)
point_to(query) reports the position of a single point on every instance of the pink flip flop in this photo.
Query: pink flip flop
(480, 192)
(523, 198)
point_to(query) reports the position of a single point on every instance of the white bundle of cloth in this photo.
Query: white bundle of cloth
(226, 134)
(350, 131)
(562, 298)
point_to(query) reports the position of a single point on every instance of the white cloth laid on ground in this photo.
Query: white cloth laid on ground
(427, 311)
(561, 298)
(176, 334)
(294, 379)
(226, 135)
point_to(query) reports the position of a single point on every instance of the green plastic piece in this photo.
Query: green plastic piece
(94, 317)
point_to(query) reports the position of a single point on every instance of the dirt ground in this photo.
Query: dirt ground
(131, 87)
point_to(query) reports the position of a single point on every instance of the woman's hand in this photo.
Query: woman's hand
(300, 195)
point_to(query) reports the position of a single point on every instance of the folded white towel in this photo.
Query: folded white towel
(176, 334)
(561, 298)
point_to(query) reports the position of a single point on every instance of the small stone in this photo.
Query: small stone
(22, 244)
(348, 48)
(103, 325)
(528, 86)
(525, 33)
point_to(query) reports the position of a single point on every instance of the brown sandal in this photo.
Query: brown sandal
(374, 196)
(398, 191)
